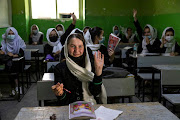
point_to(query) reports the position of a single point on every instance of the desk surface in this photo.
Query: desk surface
(32, 50)
(48, 77)
(167, 67)
(131, 111)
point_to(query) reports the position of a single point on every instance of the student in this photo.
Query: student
(116, 31)
(79, 74)
(85, 29)
(36, 37)
(129, 36)
(61, 31)
(13, 46)
(168, 43)
(148, 38)
(53, 48)
(93, 41)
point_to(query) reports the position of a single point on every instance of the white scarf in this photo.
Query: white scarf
(153, 32)
(113, 30)
(84, 75)
(56, 45)
(35, 37)
(131, 39)
(172, 49)
(14, 45)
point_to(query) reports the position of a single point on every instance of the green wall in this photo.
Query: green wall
(104, 13)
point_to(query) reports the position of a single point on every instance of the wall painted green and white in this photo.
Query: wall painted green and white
(104, 13)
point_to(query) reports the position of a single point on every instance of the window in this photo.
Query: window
(53, 9)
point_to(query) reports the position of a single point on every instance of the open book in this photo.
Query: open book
(113, 41)
(81, 110)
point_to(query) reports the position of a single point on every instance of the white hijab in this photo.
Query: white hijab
(172, 49)
(35, 37)
(56, 45)
(153, 32)
(131, 39)
(14, 45)
(62, 27)
(84, 75)
(113, 30)
(90, 44)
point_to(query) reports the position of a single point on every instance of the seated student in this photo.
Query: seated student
(13, 46)
(53, 48)
(116, 31)
(168, 43)
(61, 31)
(36, 37)
(129, 36)
(80, 73)
(93, 39)
(85, 29)
(148, 39)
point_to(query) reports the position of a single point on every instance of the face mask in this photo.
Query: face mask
(144, 37)
(60, 33)
(10, 37)
(53, 39)
(169, 38)
(116, 32)
(102, 41)
(35, 31)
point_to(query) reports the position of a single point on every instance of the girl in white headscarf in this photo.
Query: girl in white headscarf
(79, 77)
(149, 42)
(36, 37)
(116, 31)
(13, 46)
(94, 39)
(168, 43)
(129, 36)
(53, 48)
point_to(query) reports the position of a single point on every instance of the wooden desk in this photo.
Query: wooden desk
(131, 111)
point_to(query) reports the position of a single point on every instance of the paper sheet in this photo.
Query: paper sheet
(103, 113)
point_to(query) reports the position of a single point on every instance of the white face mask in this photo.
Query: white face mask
(169, 38)
(11, 37)
(60, 33)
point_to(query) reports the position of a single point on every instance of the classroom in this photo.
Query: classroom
(122, 56)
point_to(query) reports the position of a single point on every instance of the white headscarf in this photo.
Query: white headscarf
(131, 39)
(113, 30)
(62, 27)
(90, 44)
(56, 45)
(153, 32)
(35, 37)
(84, 75)
(172, 49)
(14, 45)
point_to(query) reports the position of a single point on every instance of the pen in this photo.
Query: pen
(67, 90)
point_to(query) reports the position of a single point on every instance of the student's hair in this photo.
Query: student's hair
(87, 27)
(169, 30)
(146, 27)
(76, 35)
(129, 28)
(96, 31)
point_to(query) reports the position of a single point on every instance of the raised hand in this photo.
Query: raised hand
(135, 14)
(58, 89)
(98, 62)
(147, 40)
(74, 18)
(10, 54)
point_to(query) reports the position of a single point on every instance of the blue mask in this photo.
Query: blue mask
(35, 31)
(116, 32)
(10, 37)
(102, 41)
(149, 36)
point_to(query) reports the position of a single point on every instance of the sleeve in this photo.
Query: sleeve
(30, 40)
(21, 52)
(106, 55)
(136, 39)
(47, 50)
(65, 35)
(58, 78)
(138, 29)
(41, 39)
(155, 48)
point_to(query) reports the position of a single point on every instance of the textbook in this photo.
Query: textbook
(81, 110)
(113, 41)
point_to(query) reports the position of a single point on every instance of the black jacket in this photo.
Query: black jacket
(71, 83)
(125, 40)
(154, 48)
(177, 49)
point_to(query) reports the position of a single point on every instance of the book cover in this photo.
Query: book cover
(113, 41)
(81, 110)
